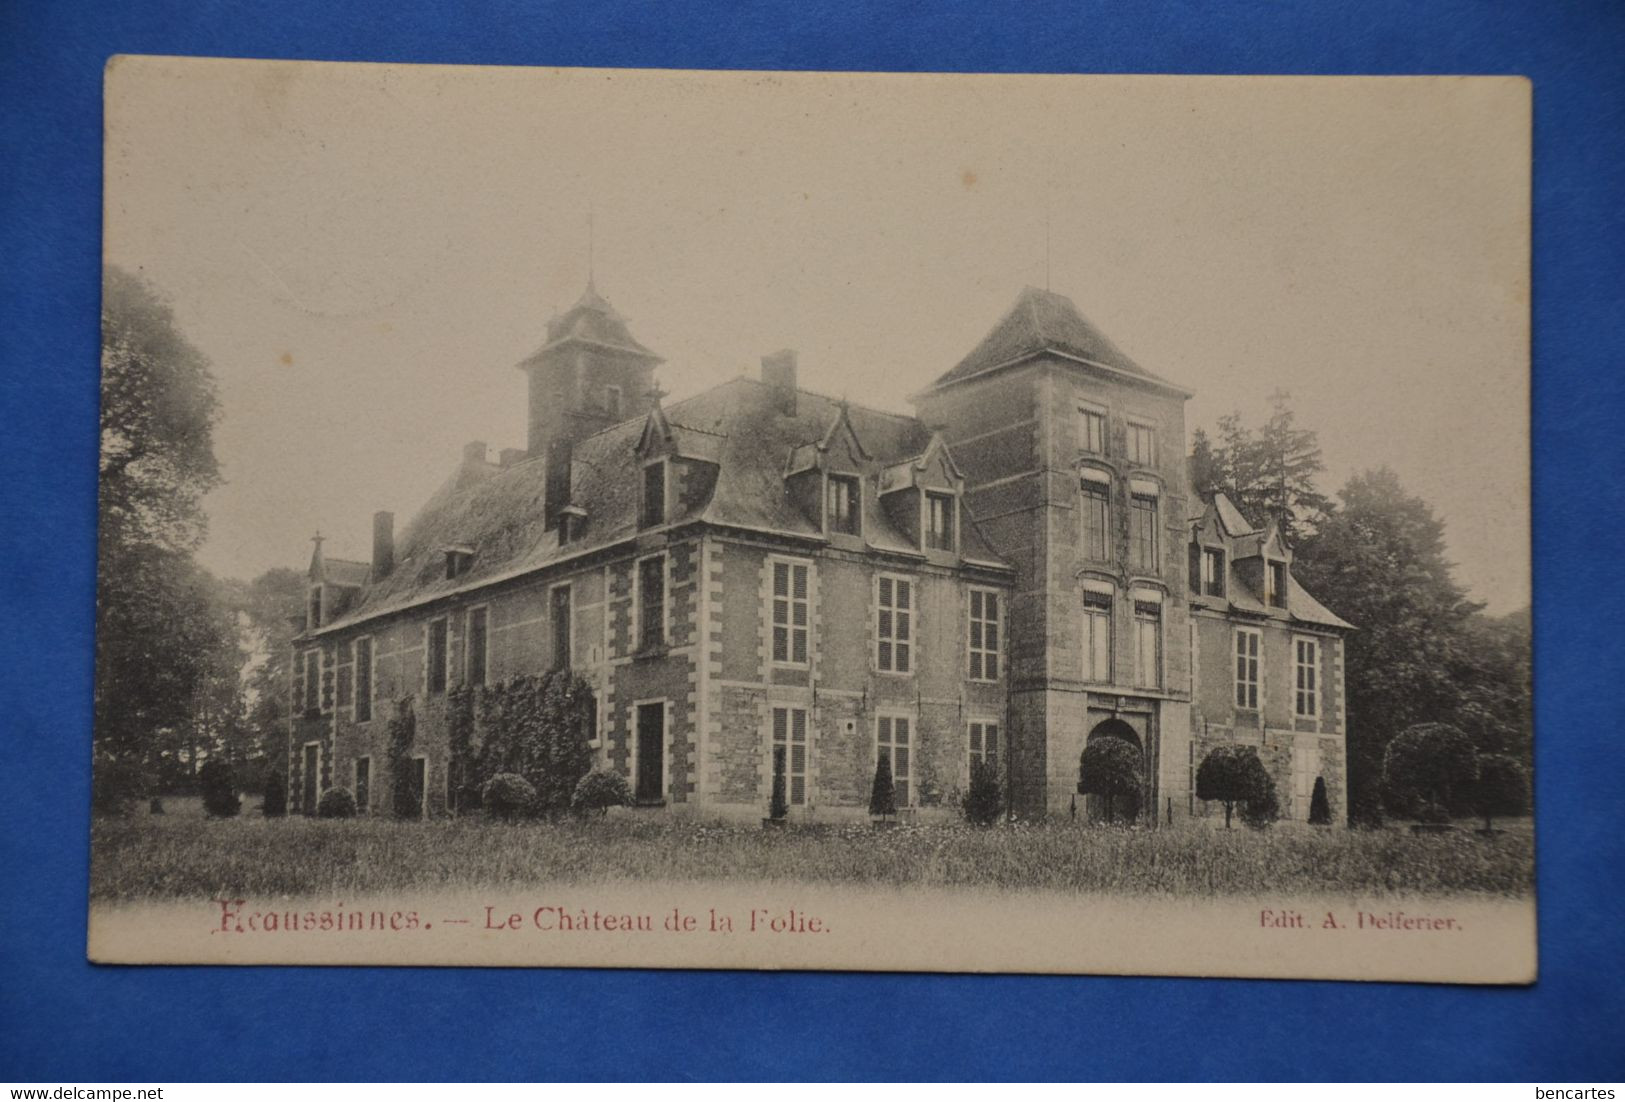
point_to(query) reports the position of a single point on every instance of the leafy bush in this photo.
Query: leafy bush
(1233, 774)
(1502, 788)
(982, 802)
(1365, 811)
(219, 789)
(275, 805)
(600, 790)
(116, 784)
(883, 793)
(508, 796)
(1320, 808)
(1262, 807)
(336, 803)
(534, 727)
(1110, 767)
(1429, 771)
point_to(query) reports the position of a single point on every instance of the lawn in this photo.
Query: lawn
(183, 855)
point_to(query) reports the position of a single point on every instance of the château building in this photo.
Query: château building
(762, 577)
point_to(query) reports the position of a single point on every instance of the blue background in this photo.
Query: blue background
(62, 1019)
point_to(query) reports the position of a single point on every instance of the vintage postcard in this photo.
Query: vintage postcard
(814, 520)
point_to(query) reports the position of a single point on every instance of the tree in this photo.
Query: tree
(1263, 807)
(883, 794)
(219, 788)
(1502, 787)
(982, 802)
(268, 608)
(158, 632)
(1428, 770)
(1110, 767)
(1379, 563)
(1320, 808)
(1269, 473)
(1232, 774)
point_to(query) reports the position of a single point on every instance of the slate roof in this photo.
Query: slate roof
(592, 320)
(1043, 321)
(345, 572)
(1242, 541)
(739, 425)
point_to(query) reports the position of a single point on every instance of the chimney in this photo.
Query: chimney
(509, 456)
(474, 451)
(779, 372)
(383, 544)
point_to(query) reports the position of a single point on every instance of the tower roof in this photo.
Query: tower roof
(592, 320)
(1043, 321)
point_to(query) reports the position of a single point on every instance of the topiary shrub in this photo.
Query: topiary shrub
(778, 807)
(600, 790)
(1109, 767)
(1263, 807)
(336, 803)
(508, 796)
(982, 802)
(1320, 808)
(219, 789)
(1502, 788)
(883, 792)
(275, 805)
(1429, 771)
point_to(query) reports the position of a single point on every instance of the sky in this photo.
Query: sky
(365, 252)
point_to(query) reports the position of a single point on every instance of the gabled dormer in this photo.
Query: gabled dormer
(1210, 555)
(1264, 564)
(332, 585)
(924, 498)
(677, 469)
(828, 480)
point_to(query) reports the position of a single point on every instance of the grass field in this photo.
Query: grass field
(183, 855)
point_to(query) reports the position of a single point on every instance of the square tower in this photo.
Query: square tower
(1074, 460)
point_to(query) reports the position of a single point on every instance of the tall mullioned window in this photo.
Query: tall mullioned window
(1306, 678)
(1091, 430)
(1148, 644)
(1096, 508)
(984, 742)
(652, 602)
(313, 680)
(1142, 445)
(1143, 531)
(560, 621)
(790, 752)
(479, 635)
(1248, 645)
(894, 625)
(892, 737)
(1097, 636)
(363, 679)
(435, 656)
(791, 612)
(984, 635)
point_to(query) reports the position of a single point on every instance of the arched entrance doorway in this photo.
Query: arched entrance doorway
(1122, 807)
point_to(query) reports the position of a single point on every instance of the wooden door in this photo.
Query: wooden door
(651, 779)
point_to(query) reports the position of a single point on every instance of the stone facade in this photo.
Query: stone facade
(1040, 492)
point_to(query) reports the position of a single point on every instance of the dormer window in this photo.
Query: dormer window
(459, 560)
(939, 521)
(841, 504)
(1275, 585)
(571, 520)
(654, 495)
